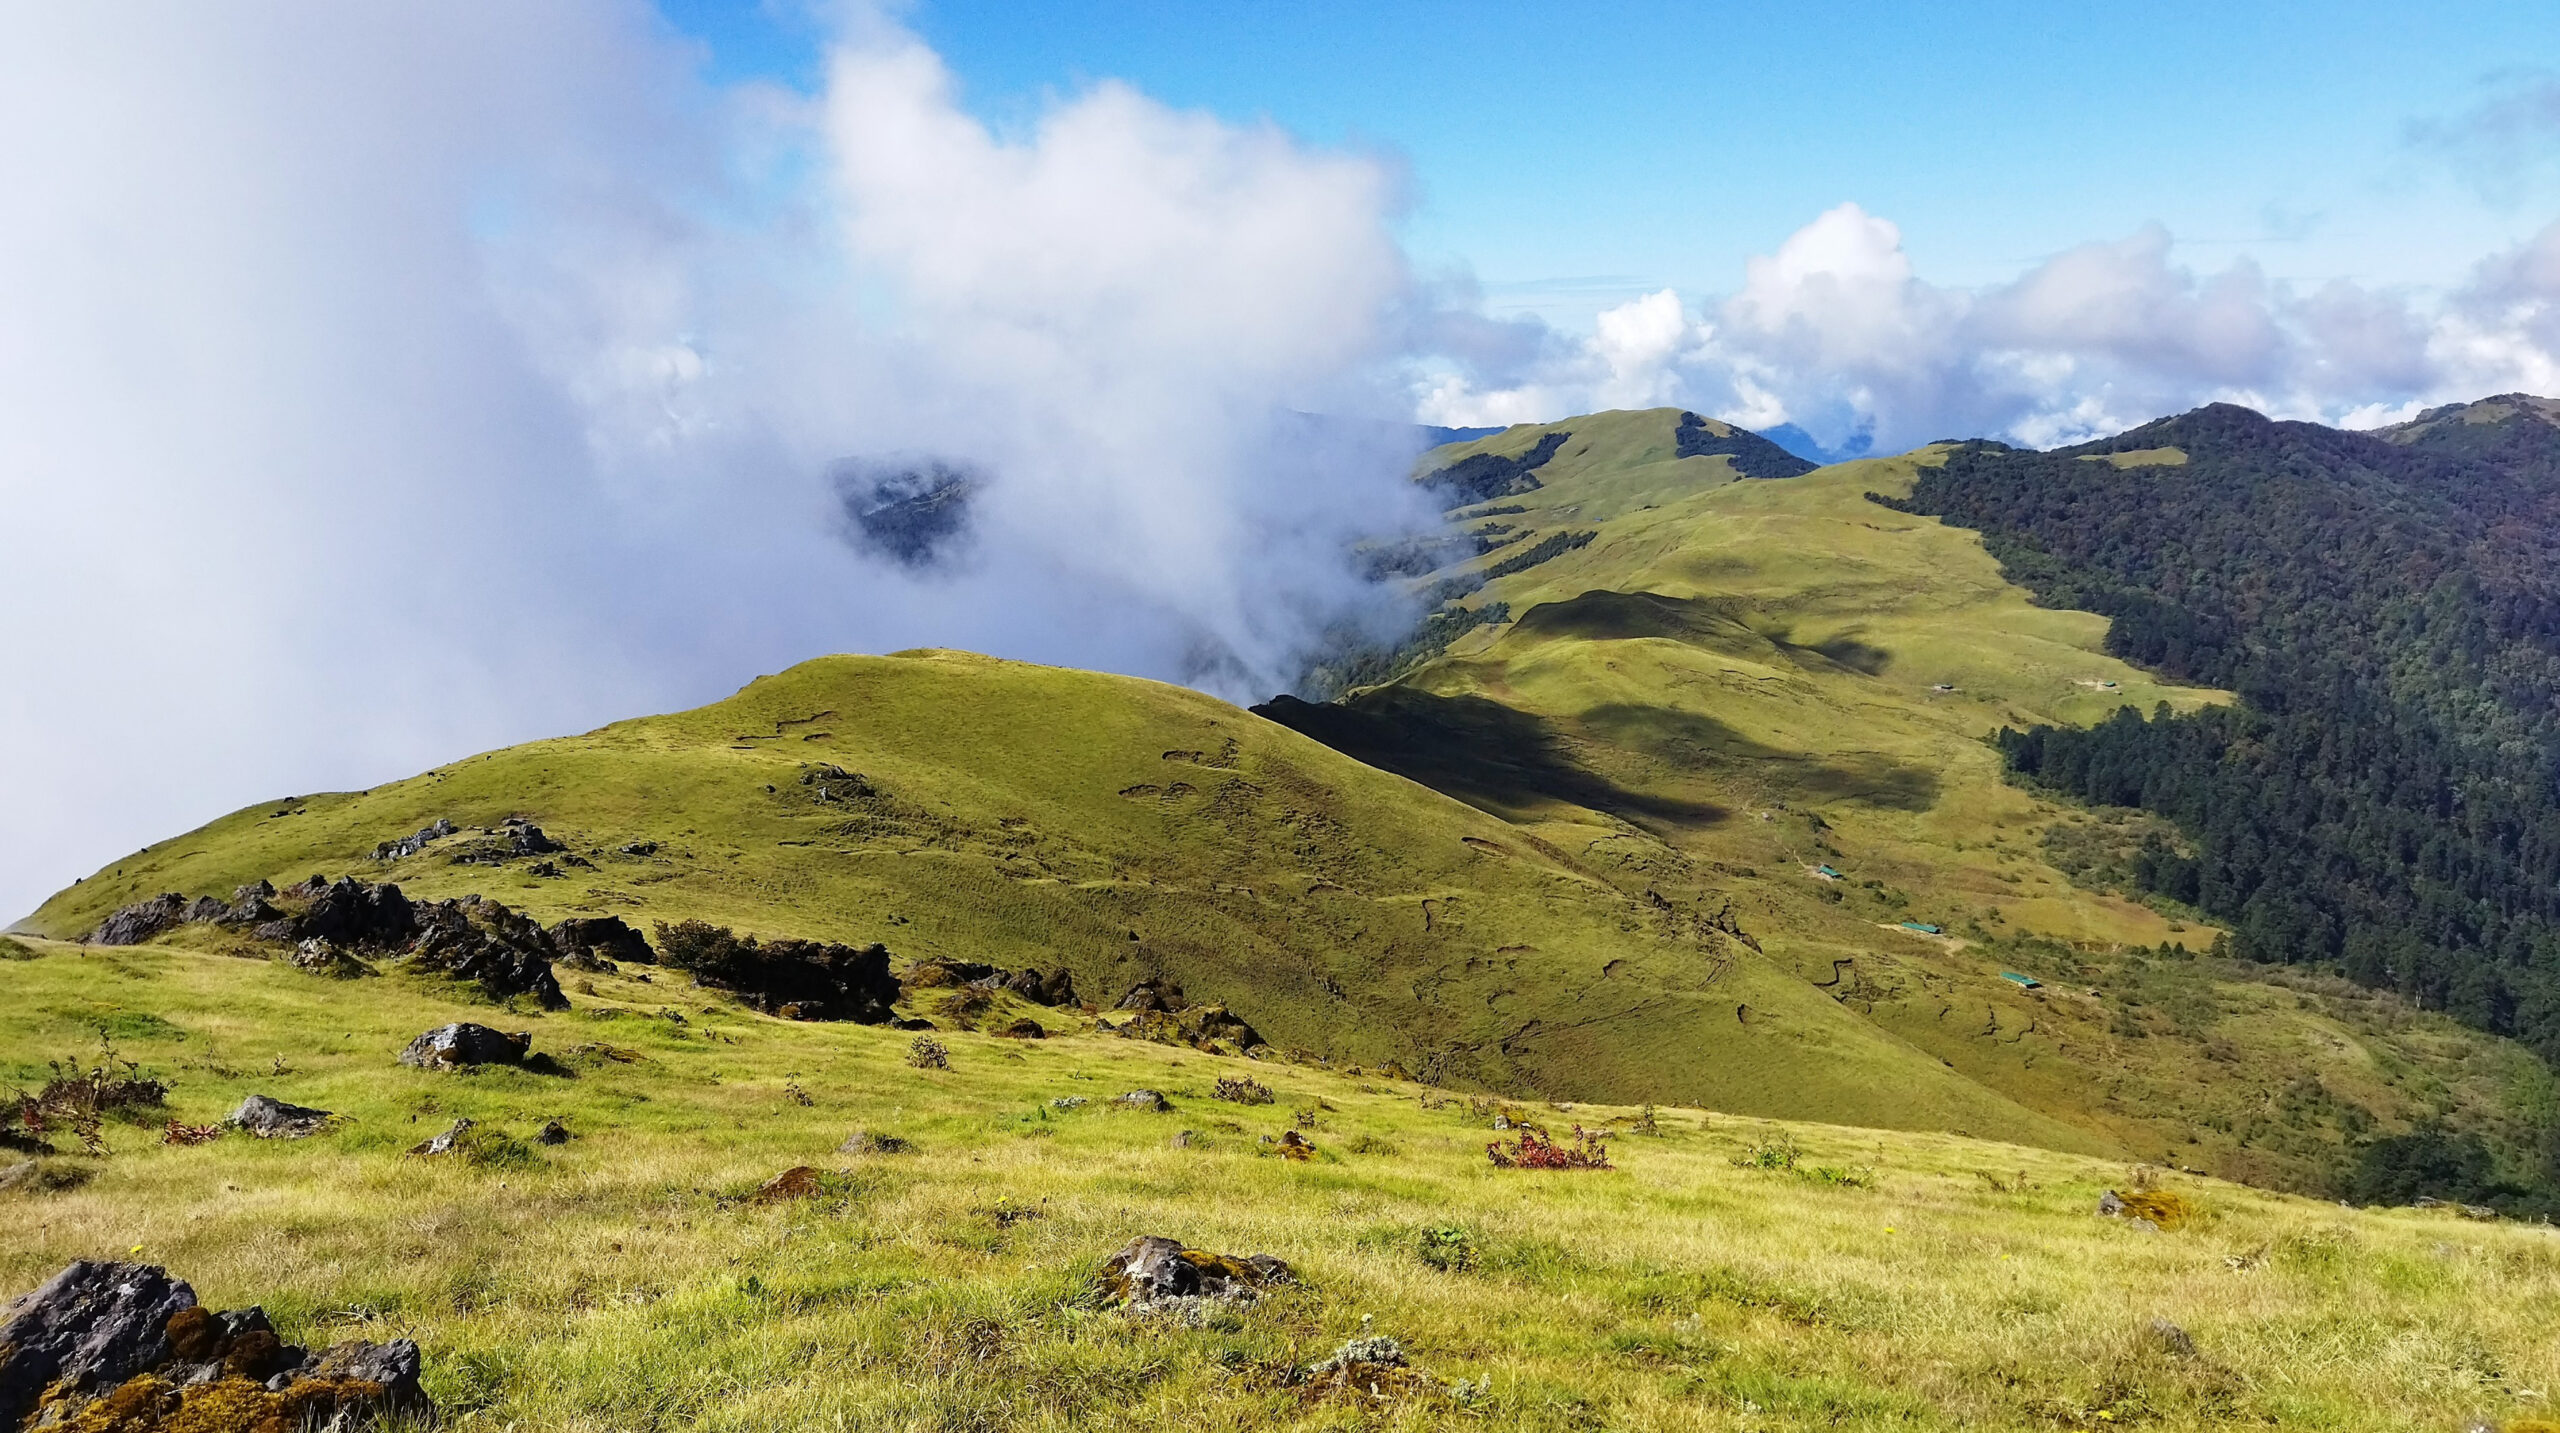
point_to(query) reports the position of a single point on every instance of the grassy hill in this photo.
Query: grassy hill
(1021, 815)
(1729, 685)
(1728, 1273)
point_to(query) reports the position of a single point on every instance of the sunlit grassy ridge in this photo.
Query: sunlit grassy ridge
(627, 1280)
(1027, 815)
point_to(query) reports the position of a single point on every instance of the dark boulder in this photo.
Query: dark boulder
(526, 839)
(1157, 994)
(350, 913)
(1058, 987)
(204, 908)
(125, 1346)
(140, 921)
(271, 1118)
(600, 942)
(452, 1046)
(552, 1132)
(88, 1329)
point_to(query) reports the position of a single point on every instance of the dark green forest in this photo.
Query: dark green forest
(2382, 798)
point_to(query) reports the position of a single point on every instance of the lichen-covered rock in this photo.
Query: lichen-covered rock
(463, 1043)
(867, 1142)
(270, 1118)
(1371, 1364)
(124, 1348)
(1153, 1273)
(1152, 1101)
(140, 921)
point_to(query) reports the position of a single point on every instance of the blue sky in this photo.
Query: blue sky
(1572, 158)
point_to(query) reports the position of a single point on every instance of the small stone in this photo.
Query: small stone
(445, 1143)
(552, 1132)
(1149, 1100)
(866, 1142)
(1068, 1102)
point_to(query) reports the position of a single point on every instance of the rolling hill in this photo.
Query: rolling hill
(1694, 820)
(1697, 806)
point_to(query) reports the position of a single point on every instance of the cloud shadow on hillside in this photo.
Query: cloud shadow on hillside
(1477, 750)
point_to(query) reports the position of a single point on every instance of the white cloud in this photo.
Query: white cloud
(387, 383)
(1837, 334)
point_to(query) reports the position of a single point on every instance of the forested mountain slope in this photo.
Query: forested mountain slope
(1781, 690)
(2386, 796)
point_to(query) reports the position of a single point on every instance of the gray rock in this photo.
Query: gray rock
(451, 1046)
(89, 1328)
(1068, 1102)
(866, 1142)
(1150, 1100)
(271, 1118)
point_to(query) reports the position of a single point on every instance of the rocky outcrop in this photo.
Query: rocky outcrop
(127, 1347)
(1203, 1027)
(481, 940)
(412, 844)
(794, 979)
(328, 923)
(140, 921)
(271, 1118)
(449, 1047)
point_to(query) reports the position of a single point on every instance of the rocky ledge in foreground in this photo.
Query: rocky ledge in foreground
(127, 1347)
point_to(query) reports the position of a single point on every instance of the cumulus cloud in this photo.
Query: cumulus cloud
(385, 383)
(1836, 335)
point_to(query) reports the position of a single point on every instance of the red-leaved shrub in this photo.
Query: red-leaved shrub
(1536, 1151)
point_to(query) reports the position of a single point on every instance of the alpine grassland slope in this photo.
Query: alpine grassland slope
(1725, 1273)
(1779, 692)
(954, 806)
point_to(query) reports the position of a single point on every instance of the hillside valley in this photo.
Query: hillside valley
(1693, 815)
